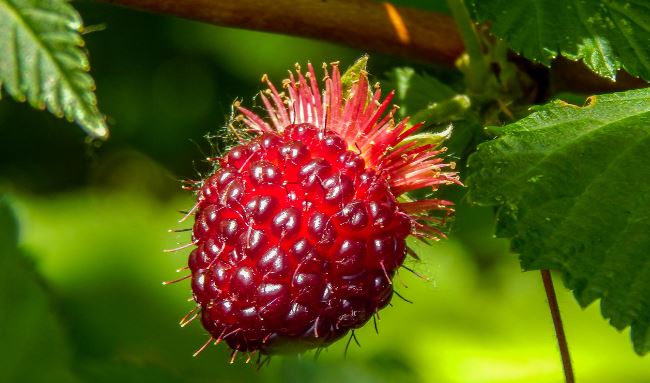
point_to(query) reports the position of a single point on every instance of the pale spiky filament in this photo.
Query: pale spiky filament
(177, 280)
(200, 350)
(428, 204)
(233, 355)
(365, 122)
(190, 316)
(181, 247)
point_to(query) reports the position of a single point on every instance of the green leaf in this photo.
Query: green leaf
(42, 61)
(444, 111)
(447, 114)
(414, 91)
(607, 35)
(351, 75)
(34, 347)
(572, 191)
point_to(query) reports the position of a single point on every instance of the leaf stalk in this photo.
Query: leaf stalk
(559, 327)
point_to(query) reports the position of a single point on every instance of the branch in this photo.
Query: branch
(367, 25)
(363, 24)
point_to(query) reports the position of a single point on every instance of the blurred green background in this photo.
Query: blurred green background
(80, 292)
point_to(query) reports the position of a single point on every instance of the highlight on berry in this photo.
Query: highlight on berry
(301, 226)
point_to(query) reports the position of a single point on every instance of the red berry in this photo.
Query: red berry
(299, 260)
(299, 231)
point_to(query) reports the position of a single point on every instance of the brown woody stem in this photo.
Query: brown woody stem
(559, 328)
(364, 24)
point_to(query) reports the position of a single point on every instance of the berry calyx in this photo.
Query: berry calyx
(299, 229)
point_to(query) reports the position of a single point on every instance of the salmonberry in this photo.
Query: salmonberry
(299, 229)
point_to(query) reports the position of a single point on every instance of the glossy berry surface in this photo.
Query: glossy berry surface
(298, 230)
(297, 242)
